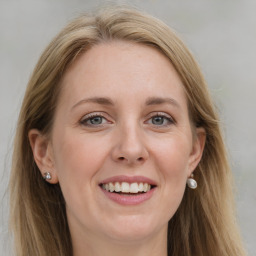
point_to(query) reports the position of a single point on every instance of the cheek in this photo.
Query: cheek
(77, 160)
(172, 158)
(172, 155)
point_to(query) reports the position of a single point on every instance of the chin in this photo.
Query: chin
(134, 229)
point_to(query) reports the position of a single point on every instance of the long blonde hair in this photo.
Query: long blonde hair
(204, 224)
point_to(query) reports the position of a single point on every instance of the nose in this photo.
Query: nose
(130, 147)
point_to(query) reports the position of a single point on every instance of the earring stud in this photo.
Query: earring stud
(47, 176)
(191, 182)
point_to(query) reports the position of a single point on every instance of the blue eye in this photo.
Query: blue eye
(161, 120)
(93, 120)
(158, 120)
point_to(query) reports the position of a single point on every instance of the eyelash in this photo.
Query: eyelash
(90, 116)
(167, 117)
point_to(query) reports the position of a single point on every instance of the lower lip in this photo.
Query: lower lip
(129, 199)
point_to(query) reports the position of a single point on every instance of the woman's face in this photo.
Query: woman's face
(122, 124)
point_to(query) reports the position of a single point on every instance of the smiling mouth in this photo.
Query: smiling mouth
(126, 188)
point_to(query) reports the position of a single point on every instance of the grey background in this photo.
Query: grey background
(220, 33)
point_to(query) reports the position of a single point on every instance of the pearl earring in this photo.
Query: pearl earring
(47, 176)
(191, 182)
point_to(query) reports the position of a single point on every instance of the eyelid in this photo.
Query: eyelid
(91, 115)
(162, 114)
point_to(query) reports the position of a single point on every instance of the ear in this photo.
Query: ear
(197, 149)
(43, 154)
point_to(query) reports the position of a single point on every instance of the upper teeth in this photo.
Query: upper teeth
(126, 187)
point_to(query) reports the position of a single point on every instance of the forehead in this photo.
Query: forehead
(121, 69)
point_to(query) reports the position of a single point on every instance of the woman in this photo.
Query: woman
(115, 121)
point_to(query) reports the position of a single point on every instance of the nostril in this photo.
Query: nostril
(121, 158)
(140, 159)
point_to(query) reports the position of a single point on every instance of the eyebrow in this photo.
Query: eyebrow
(108, 102)
(97, 100)
(158, 101)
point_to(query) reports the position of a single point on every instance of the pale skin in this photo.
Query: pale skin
(122, 111)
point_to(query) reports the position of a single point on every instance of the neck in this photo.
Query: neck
(98, 246)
